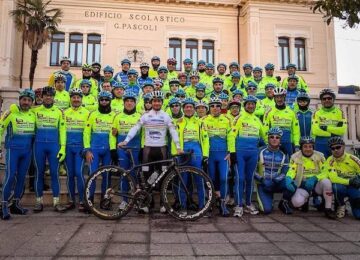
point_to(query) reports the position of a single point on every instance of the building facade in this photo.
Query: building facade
(247, 31)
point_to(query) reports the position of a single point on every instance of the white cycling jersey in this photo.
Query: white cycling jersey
(155, 124)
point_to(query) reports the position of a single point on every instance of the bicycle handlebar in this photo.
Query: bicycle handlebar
(178, 157)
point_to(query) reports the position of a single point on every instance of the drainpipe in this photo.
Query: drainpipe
(22, 55)
(238, 33)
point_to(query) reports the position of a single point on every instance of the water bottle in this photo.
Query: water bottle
(153, 177)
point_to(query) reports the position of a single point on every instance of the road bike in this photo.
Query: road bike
(186, 192)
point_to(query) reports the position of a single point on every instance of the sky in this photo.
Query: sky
(347, 54)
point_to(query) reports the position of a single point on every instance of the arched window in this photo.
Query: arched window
(175, 51)
(57, 48)
(283, 52)
(75, 49)
(192, 51)
(208, 51)
(93, 48)
(300, 54)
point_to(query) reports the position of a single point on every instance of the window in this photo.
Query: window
(175, 51)
(192, 51)
(93, 48)
(75, 49)
(284, 52)
(300, 59)
(208, 51)
(57, 48)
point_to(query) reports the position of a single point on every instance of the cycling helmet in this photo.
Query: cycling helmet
(158, 81)
(247, 65)
(201, 62)
(258, 69)
(306, 140)
(174, 81)
(85, 82)
(291, 65)
(327, 91)
(270, 85)
(218, 80)
(125, 61)
(105, 94)
(144, 64)
(210, 66)
(202, 103)
(214, 100)
(238, 92)
(181, 75)
(303, 96)
(188, 101)
(234, 102)
(48, 91)
(251, 84)
(118, 85)
(27, 93)
(96, 64)
(200, 86)
(132, 72)
(335, 140)
(148, 83)
(269, 66)
(188, 60)
(223, 96)
(108, 68)
(235, 74)
(129, 95)
(173, 101)
(234, 64)
(194, 74)
(38, 91)
(162, 68)
(155, 58)
(250, 98)
(180, 92)
(59, 77)
(279, 91)
(147, 96)
(75, 91)
(65, 59)
(275, 131)
(294, 77)
(221, 64)
(86, 66)
(172, 61)
(157, 95)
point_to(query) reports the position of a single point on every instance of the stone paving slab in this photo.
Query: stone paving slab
(275, 236)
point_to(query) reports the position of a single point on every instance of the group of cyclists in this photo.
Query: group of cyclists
(246, 130)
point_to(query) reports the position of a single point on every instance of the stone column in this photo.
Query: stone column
(7, 46)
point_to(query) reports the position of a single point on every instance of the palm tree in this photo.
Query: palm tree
(37, 22)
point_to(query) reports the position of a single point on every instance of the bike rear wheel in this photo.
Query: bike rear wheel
(187, 193)
(115, 203)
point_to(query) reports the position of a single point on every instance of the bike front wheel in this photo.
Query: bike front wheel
(109, 192)
(187, 193)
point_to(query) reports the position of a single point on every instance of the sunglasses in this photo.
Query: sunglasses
(132, 76)
(269, 69)
(274, 137)
(162, 72)
(327, 98)
(338, 147)
(175, 105)
(88, 70)
(178, 96)
(251, 88)
(217, 106)
(104, 99)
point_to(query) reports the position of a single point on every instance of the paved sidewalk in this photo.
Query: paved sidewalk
(51, 235)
